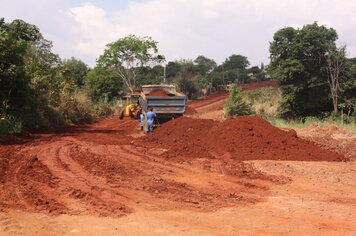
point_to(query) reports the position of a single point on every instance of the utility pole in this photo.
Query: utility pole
(164, 74)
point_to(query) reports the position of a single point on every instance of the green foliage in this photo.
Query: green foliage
(150, 75)
(348, 90)
(301, 123)
(16, 94)
(204, 65)
(103, 83)
(184, 78)
(236, 62)
(188, 87)
(36, 89)
(297, 61)
(172, 69)
(74, 71)
(126, 54)
(10, 124)
(264, 102)
(236, 104)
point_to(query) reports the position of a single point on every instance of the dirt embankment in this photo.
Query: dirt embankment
(243, 138)
(331, 138)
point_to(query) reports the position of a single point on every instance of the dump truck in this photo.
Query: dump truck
(164, 99)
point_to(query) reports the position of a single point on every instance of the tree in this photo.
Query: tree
(16, 93)
(150, 75)
(75, 71)
(103, 83)
(254, 70)
(204, 65)
(335, 64)
(185, 74)
(126, 54)
(44, 69)
(298, 57)
(236, 62)
(172, 69)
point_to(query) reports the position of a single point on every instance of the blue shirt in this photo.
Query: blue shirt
(150, 116)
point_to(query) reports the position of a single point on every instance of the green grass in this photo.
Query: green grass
(265, 103)
(293, 124)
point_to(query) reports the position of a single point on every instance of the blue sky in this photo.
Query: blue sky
(184, 29)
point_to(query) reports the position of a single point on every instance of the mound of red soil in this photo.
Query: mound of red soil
(159, 93)
(190, 111)
(243, 138)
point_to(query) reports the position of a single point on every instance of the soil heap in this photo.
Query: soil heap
(243, 138)
(159, 93)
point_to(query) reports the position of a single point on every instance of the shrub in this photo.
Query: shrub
(9, 124)
(236, 104)
(264, 102)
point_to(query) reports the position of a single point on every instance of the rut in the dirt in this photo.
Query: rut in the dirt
(187, 163)
(97, 169)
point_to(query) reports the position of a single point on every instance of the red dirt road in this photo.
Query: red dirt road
(99, 170)
(105, 179)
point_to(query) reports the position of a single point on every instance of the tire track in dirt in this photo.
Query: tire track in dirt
(100, 169)
(10, 226)
(83, 191)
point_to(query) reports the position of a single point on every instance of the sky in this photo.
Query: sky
(184, 29)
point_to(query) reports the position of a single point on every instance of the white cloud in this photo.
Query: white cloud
(183, 28)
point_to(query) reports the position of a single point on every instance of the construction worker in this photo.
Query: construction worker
(150, 117)
(142, 118)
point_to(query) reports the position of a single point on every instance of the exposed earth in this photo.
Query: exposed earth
(197, 175)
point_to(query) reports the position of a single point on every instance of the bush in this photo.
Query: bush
(9, 125)
(264, 102)
(101, 82)
(236, 104)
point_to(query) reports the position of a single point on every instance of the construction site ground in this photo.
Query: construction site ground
(107, 178)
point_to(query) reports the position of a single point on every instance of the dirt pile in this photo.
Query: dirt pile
(190, 111)
(93, 170)
(243, 138)
(159, 93)
(332, 138)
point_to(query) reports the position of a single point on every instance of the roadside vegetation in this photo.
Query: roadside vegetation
(39, 89)
(317, 82)
(265, 102)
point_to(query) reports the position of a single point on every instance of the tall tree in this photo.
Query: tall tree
(75, 71)
(204, 65)
(15, 91)
(126, 54)
(103, 83)
(298, 57)
(236, 62)
(172, 69)
(185, 74)
(235, 68)
(335, 66)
